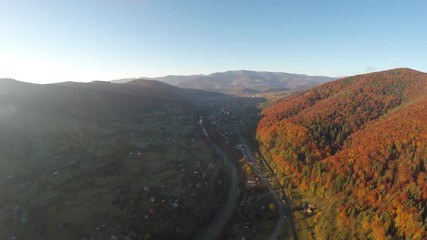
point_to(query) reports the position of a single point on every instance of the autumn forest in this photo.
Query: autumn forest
(358, 145)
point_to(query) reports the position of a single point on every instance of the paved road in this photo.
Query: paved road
(288, 205)
(215, 228)
(280, 221)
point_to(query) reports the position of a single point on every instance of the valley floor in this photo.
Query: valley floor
(155, 178)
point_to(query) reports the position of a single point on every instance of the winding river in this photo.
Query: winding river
(215, 228)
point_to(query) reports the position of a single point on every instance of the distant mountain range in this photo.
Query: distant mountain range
(241, 81)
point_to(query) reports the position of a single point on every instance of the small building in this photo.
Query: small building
(251, 183)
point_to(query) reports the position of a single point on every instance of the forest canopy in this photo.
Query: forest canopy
(361, 144)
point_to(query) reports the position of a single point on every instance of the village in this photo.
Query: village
(262, 208)
(256, 213)
(154, 179)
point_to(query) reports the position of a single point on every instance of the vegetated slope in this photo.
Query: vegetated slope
(24, 106)
(359, 144)
(75, 159)
(27, 108)
(242, 81)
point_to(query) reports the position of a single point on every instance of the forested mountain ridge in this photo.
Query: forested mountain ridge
(360, 144)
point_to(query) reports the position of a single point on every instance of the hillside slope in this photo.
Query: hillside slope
(85, 160)
(358, 145)
(88, 100)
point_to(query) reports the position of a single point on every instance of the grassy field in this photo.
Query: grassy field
(63, 178)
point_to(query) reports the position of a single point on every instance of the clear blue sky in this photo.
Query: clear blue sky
(82, 40)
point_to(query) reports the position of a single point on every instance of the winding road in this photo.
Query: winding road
(288, 204)
(214, 229)
(280, 222)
